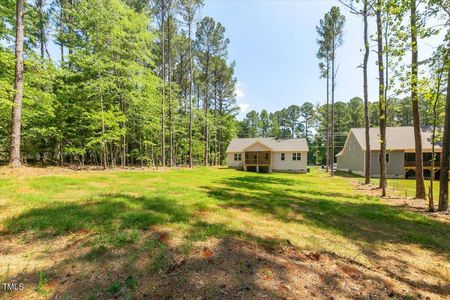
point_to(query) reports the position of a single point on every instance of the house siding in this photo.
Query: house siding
(395, 167)
(353, 158)
(289, 165)
(233, 163)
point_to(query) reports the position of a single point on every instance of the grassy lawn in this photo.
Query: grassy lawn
(407, 187)
(214, 233)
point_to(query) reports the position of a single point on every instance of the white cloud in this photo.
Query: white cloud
(244, 107)
(239, 91)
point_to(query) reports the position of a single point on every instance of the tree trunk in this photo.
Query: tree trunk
(367, 167)
(433, 141)
(191, 164)
(206, 158)
(61, 30)
(123, 152)
(220, 127)
(40, 5)
(16, 117)
(445, 155)
(104, 157)
(333, 50)
(420, 183)
(328, 115)
(215, 124)
(382, 102)
(163, 75)
(169, 73)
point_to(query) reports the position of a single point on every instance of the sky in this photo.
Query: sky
(274, 45)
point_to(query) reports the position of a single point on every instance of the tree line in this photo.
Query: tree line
(134, 83)
(309, 121)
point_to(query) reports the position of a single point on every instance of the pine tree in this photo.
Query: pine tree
(16, 117)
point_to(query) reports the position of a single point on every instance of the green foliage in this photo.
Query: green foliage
(103, 97)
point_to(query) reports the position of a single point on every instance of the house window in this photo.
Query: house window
(237, 156)
(410, 157)
(282, 156)
(266, 156)
(296, 156)
(388, 157)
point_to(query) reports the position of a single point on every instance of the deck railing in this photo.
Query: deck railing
(425, 164)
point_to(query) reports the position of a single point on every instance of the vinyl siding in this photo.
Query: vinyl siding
(232, 163)
(289, 165)
(395, 167)
(353, 158)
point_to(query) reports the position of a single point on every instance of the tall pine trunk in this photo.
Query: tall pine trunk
(382, 101)
(333, 53)
(40, 5)
(445, 155)
(328, 114)
(61, 30)
(220, 127)
(16, 116)
(215, 125)
(191, 164)
(163, 75)
(367, 167)
(123, 125)
(433, 141)
(169, 73)
(206, 158)
(420, 183)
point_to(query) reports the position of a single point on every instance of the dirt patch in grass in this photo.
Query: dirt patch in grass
(227, 268)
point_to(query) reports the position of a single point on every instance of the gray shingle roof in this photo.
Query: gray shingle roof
(397, 138)
(240, 144)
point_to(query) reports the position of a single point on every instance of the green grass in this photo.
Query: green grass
(113, 202)
(119, 210)
(407, 187)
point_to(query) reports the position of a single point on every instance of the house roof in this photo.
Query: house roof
(240, 144)
(397, 138)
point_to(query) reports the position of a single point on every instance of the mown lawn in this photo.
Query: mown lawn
(407, 187)
(214, 233)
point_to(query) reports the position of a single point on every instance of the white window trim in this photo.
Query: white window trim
(296, 155)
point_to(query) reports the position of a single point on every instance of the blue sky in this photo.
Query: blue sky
(274, 45)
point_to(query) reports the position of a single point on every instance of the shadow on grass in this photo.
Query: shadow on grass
(105, 212)
(347, 174)
(358, 217)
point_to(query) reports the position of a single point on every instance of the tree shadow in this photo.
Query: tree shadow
(347, 174)
(352, 216)
(104, 212)
(226, 265)
(363, 219)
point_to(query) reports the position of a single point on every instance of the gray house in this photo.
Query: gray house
(400, 152)
(268, 155)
